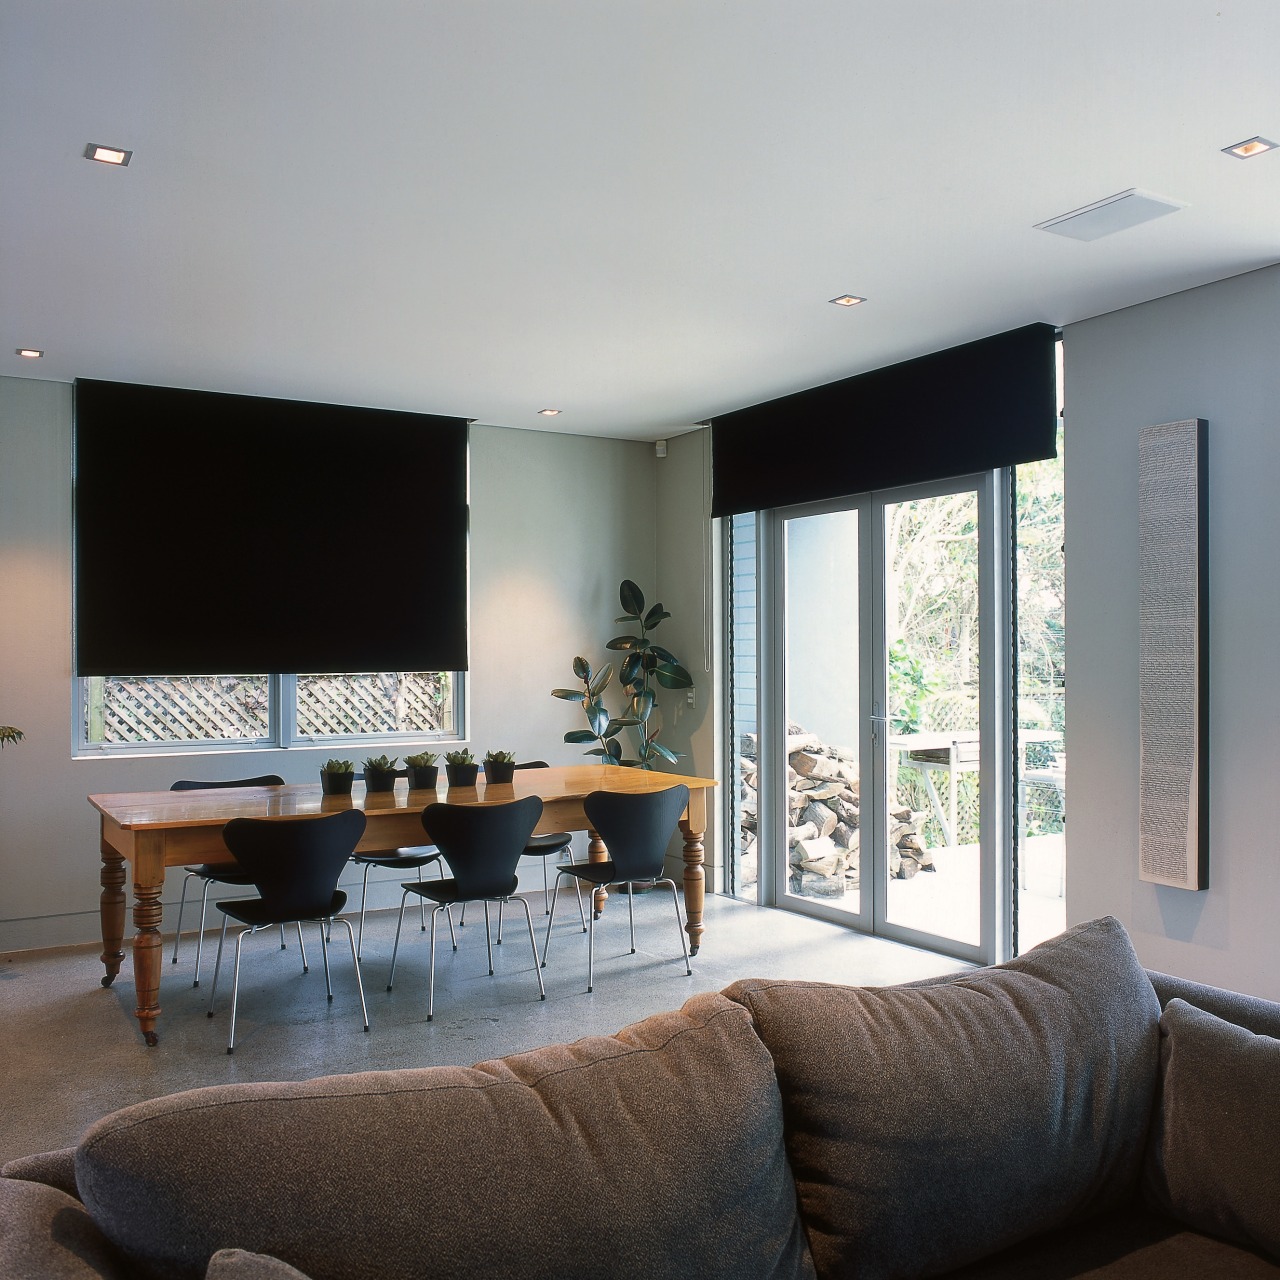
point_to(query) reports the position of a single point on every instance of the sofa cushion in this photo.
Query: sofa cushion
(54, 1168)
(1126, 1245)
(1212, 1158)
(932, 1125)
(656, 1151)
(239, 1264)
(47, 1235)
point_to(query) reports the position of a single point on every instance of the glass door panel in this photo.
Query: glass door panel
(933, 801)
(824, 714)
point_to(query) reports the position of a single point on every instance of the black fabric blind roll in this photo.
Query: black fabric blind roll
(227, 534)
(990, 403)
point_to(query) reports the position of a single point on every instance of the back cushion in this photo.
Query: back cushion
(657, 1151)
(933, 1125)
(1212, 1161)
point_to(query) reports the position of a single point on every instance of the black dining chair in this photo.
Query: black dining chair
(546, 846)
(636, 829)
(294, 863)
(212, 873)
(482, 845)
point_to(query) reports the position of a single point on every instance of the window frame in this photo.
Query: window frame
(282, 735)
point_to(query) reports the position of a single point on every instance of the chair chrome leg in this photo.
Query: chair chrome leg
(284, 946)
(422, 914)
(204, 902)
(302, 946)
(537, 968)
(235, 991)
(488, 938)
(395, 951)
(431, 972)
(222, 937)
(364, 896)
(546, 910)
(182, 902)
(591, 953)
(551, 917)
(684, 946)
(325, 927)
(577, 891)
(631, 914)
(355, 964)
(499, 922)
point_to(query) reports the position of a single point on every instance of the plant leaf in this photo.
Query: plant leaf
(631, 598)
(663, 655)
(615, 750)
(665, 752)
(582, 668)
(631, 668)
(625, 643)
(642, 705)
(569, 695)
(673, 676)
(579, 735)
(597, 717)
(627, 617)
(654, 616)
(601, 682)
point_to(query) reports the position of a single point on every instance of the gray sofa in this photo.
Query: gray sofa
(1066, 1114)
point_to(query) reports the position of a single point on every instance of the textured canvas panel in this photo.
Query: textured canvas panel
(1172, 655)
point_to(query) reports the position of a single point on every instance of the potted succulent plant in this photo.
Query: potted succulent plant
(461, 768)
(423, 771)
(499, 766)
(9, 734)
(380, 773)
(336, 777)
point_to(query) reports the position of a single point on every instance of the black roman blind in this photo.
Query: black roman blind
(229, 534)
(990, 403)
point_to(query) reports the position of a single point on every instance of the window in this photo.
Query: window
(126, 713)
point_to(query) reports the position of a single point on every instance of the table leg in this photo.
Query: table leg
(148, 882)
(596, 852)
(111, 912)
(694, 884)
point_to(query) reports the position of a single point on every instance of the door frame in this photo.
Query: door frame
(995, 712)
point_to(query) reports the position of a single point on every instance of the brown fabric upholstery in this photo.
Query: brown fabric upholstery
(931, 1126)
(45, 1234)
(238, 1264)
(53, 1168)
(661, 1145)
(1212, 1161)
(1121, 1246)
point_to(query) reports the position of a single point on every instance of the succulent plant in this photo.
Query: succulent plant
(500, 757)
(380, 764)
(422, 760)
(337, 766)
(459, 757)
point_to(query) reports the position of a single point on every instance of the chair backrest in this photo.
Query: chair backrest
(295, 862)
(482, 842)
(266, 780)
(636, 827)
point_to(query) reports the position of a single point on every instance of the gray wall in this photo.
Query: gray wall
(557, 521)
(1209, 353)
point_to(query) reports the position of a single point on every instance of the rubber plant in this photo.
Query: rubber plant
(645, 665)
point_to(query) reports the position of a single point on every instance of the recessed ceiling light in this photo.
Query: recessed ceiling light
(548, 413)
(1116, 213)
(28, 353)
(107, 155)
(847, 300)
(1249, 148)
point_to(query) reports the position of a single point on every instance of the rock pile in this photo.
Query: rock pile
(823, 819)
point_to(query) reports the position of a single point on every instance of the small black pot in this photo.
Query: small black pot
(462, 775)
(336, 784)
(423, 777)
(380, 780)
(499, 770)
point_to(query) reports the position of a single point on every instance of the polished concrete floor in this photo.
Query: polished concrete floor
(72, 1052)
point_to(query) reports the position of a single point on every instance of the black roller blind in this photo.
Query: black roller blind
(986, 404)
(225, 534)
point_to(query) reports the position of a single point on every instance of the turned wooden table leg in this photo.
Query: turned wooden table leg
(111, 912)
(148, 882)
(694, 885)
(596, 852)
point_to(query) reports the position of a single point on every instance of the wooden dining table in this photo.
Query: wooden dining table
(150, 831)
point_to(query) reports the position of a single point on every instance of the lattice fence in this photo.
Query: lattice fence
(159, 709)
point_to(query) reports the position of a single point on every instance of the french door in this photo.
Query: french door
(884, 722)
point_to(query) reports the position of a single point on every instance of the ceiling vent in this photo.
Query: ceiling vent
(1115, 213)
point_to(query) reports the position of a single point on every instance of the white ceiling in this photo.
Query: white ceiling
(634, 212)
